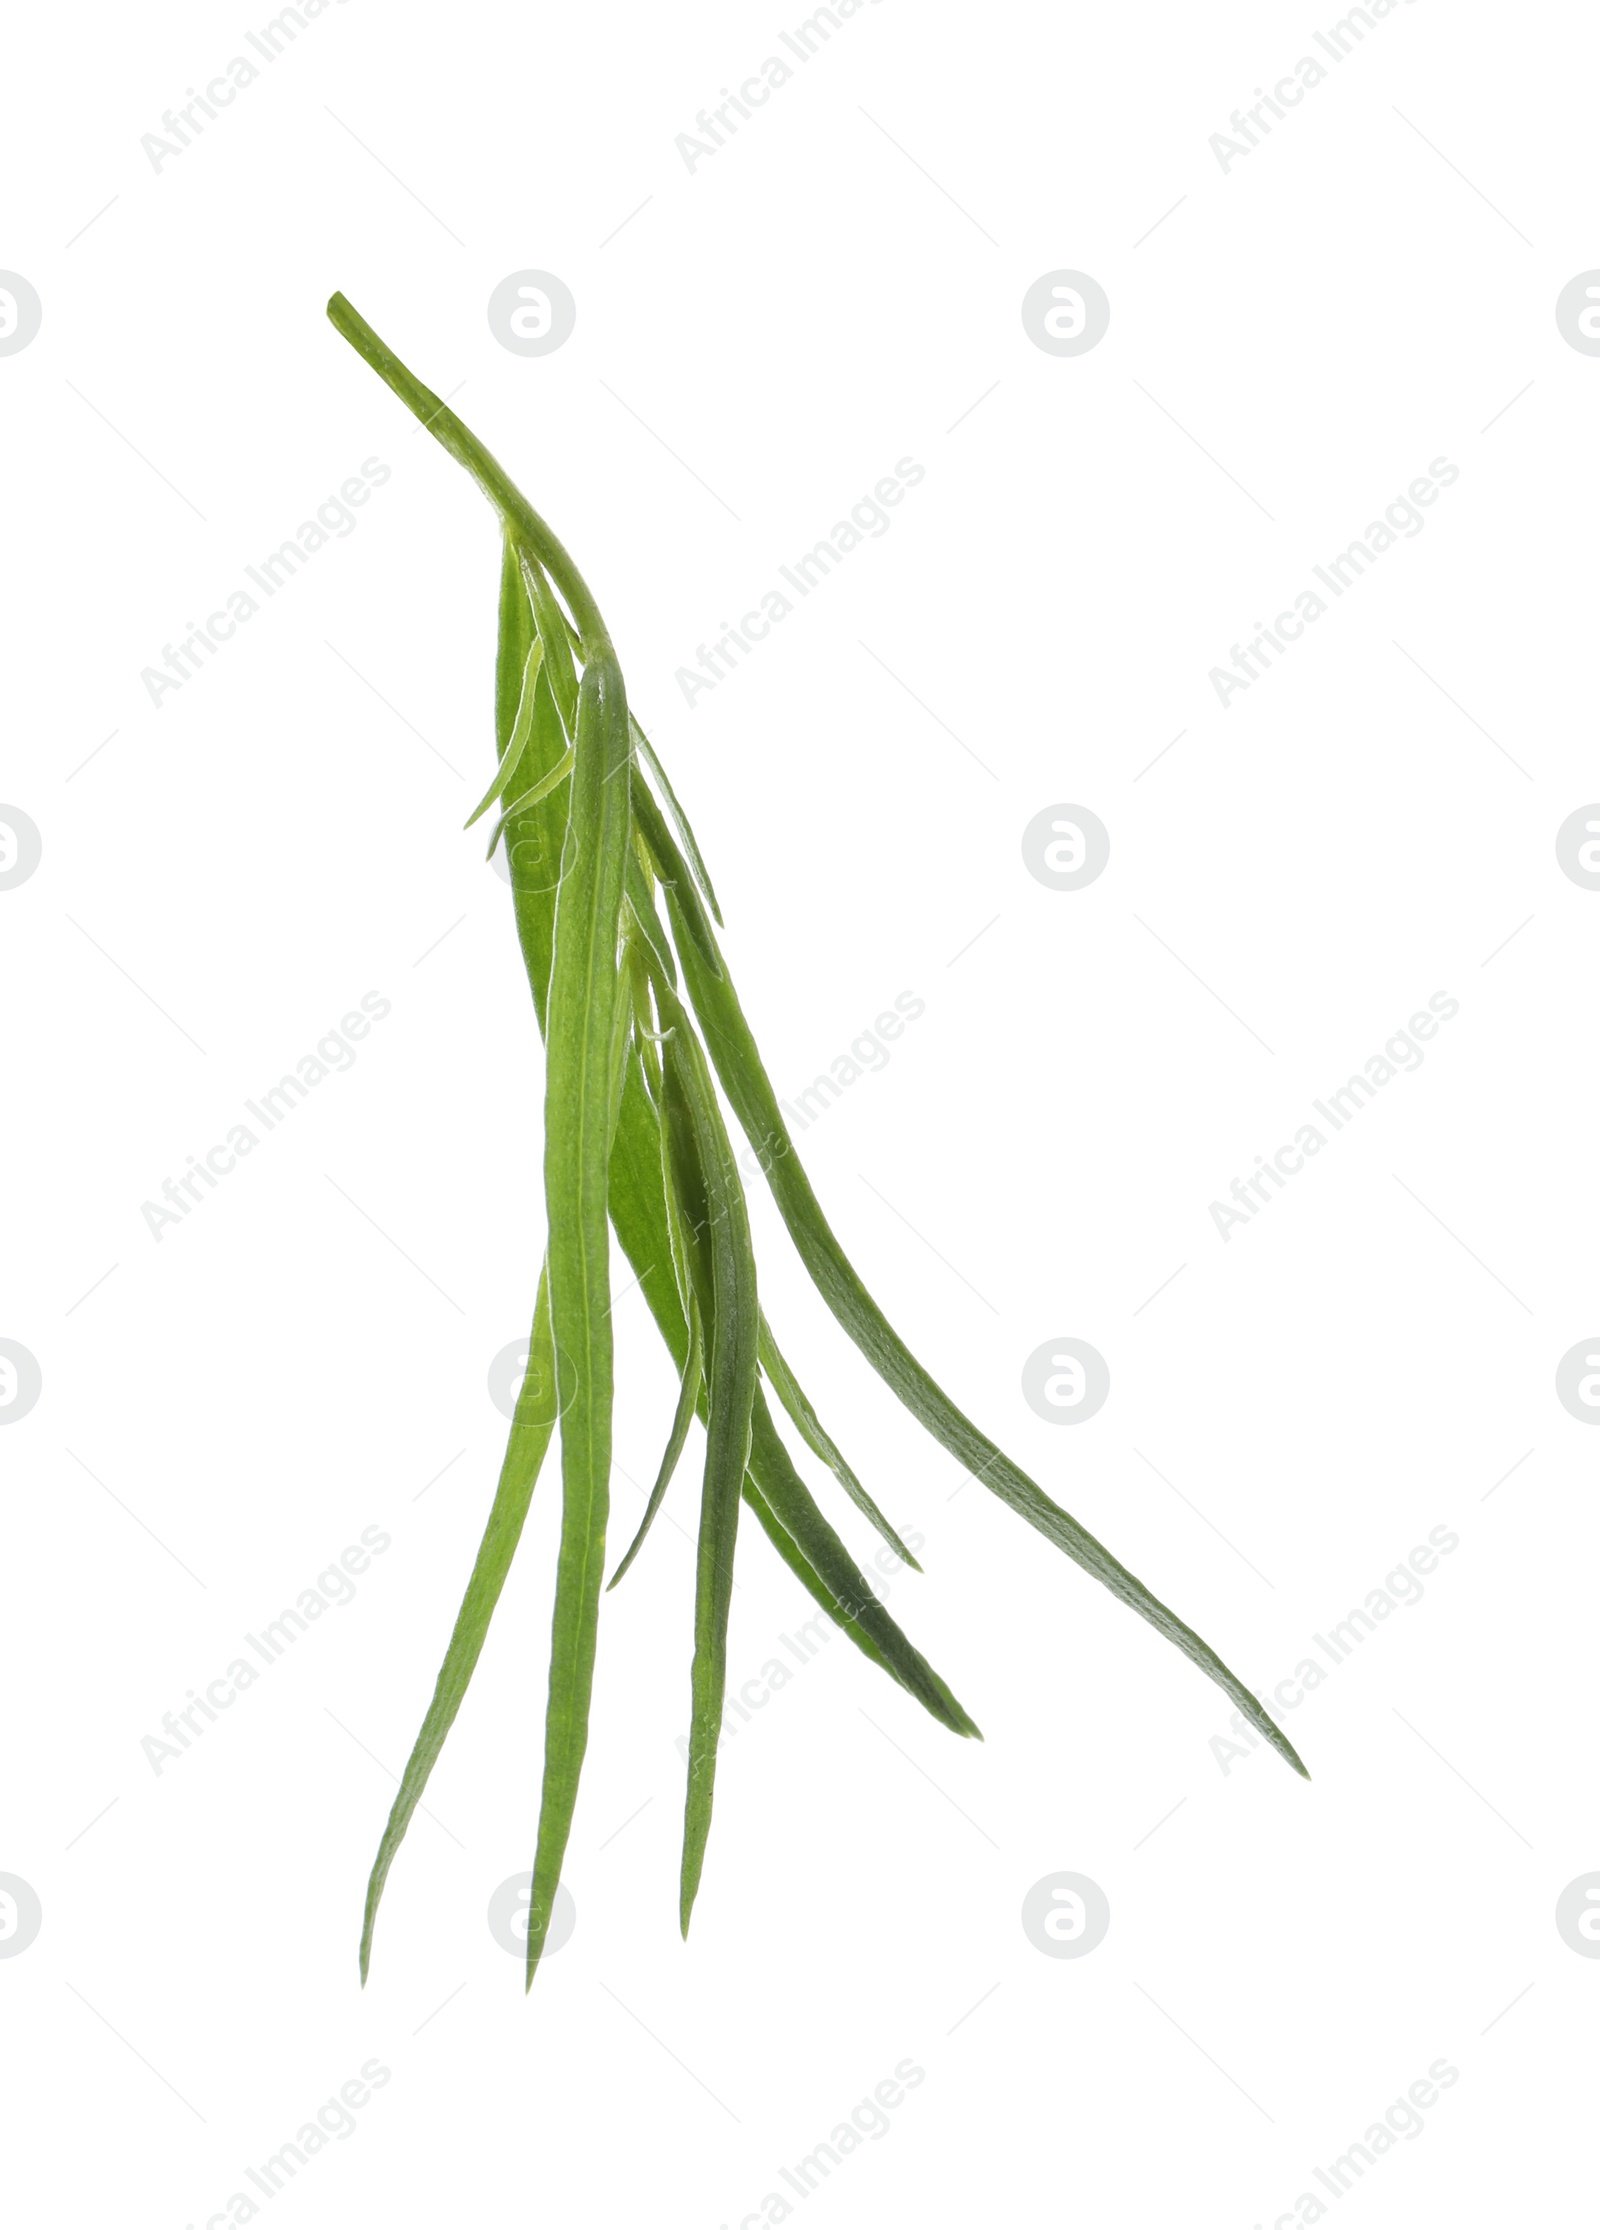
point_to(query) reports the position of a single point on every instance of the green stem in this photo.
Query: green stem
(515, 510)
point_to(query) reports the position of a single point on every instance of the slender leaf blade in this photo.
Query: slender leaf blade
(809, 1426)
(558, 636)
(535, 796)
(792, 1504)
(521, 729)
(739, 1068)
(584, 993)
(723, 1270)
(682, 1418)
(531, 1426)
(672, 869)
(680, 819)
(802, 1535)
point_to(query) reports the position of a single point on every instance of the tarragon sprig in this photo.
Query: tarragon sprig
(641, 1023)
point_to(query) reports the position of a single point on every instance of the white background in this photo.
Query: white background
(306, 1354)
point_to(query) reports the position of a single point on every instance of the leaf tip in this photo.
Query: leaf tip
(1284, 1747)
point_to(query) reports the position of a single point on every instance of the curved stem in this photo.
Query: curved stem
(446, 428)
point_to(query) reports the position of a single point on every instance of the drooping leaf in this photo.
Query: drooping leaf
(848, 1587)
(810, 1428)
(672, 869)
(680, 819)
(722, 1272)
(558, 636)
(801, 1534)
(743, 1077)
(639, 1136)
(530, 798)
(531, 1426)
(521, 729)
(682, 1418)
(584, 994)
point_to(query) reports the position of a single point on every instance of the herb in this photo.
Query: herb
(639, 1015)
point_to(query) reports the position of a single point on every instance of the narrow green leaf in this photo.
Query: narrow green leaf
(791, 1503)
(621, 1028)
(811, 1580)
(521, 729)
(535, 834)
(739, 1068)
(680, 819)
(639, 1215)
(558, 636)
(809, 1426)
(650, 926)
(645, 1035)
(535, 1415)
(534, 566)
(671, 1201)
(723, 1274)
(646, 1219)
(542, 789)
(671, 868)
(682, 1418)
(639, 1212)
(584, 993)
(515, 641)
(531, 1426)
